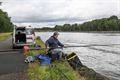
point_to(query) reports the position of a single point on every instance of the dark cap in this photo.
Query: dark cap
(55, 33)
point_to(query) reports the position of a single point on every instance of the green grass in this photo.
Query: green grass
(52, 72)
(56, 71)
(40, 43)
(4, 36)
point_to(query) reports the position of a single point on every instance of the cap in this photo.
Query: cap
(55, 33)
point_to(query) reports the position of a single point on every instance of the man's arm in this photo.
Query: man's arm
(60, 44)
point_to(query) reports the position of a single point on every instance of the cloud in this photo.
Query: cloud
(59, 11)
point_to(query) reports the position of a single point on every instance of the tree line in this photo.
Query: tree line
(105, 24)
(5, 22)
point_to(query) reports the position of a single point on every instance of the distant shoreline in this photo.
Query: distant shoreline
(84, 31)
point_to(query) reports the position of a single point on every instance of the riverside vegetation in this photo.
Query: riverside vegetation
(105, 24)
(4, 36)
(5, 22)
(40, 72)
(59, 70)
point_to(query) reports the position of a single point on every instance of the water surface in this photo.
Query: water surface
(103, 59)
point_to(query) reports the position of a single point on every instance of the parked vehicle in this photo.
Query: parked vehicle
(23, 36)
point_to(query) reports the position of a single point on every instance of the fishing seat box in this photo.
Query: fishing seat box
(53, 56)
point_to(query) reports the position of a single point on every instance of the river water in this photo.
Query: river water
(103, 59)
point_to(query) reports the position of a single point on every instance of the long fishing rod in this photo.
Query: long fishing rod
(90, 45)
(10, 50)
(39, 48)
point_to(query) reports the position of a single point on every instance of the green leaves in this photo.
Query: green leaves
(105, 24)
(5, 22)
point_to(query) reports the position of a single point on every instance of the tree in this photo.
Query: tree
(105, 24)
(113, 17)
(5, 22)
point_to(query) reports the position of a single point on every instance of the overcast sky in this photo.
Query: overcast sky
(51, 12)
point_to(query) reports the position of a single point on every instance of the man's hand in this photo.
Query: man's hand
(65, 46)
(46, 50)
(62, 46)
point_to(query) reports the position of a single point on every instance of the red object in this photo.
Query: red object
(25, 49)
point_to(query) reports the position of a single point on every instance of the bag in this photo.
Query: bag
(29, 59)
(43, 59)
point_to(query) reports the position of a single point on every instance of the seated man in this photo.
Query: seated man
(54, 45)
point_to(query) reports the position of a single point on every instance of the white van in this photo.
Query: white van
(23, 36)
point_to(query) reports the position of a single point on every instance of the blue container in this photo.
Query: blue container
(44, 59)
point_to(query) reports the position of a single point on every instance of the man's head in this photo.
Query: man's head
(55, 34)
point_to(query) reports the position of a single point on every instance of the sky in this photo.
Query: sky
(44, 13)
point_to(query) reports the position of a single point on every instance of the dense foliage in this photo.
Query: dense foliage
(105, 24)
(5, 22)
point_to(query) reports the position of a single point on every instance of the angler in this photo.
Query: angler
(52, 44)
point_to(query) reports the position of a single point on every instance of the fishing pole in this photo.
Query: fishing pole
(90, 45)
(10, 50)
(69, 46)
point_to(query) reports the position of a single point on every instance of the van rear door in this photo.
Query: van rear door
(29, 36)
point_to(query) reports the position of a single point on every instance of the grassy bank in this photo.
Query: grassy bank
(59, 70)
(4, 36)
(56, 71)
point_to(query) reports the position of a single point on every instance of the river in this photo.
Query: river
(103, 59)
